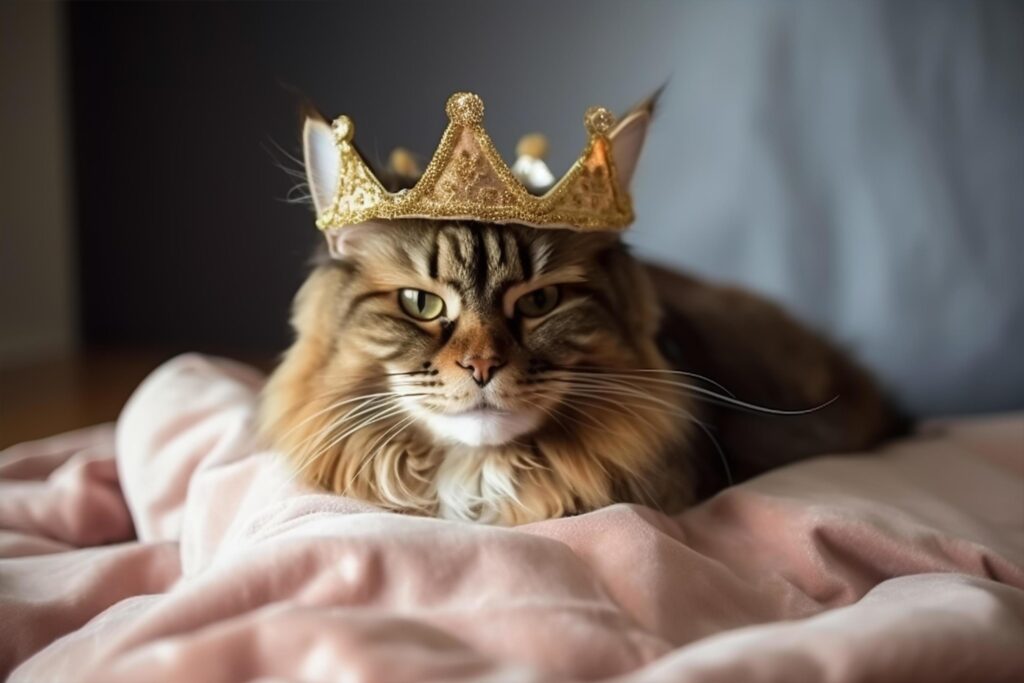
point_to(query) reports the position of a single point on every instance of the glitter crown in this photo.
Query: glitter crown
(468, 180)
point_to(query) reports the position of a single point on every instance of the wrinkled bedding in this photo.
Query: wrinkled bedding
(170, 548)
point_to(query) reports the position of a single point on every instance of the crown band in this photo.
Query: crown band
(468, 180)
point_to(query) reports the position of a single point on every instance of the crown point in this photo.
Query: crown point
(343, 129)
(598, 120)
(466, 109)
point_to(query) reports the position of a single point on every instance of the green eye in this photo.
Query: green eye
(419, 304)
(538, 302)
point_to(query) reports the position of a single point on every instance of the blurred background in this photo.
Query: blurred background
(862, 163)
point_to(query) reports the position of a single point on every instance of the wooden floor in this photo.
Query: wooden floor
(49, 397)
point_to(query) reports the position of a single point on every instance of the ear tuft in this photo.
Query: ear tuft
(351, 241)
(628, 135)
(322, 162)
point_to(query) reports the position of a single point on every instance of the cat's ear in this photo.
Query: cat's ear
(347, 243)
(323, 165)
(627, 138)
(322, 162)
(343, 243)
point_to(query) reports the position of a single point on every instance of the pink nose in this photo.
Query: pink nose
(482, 369)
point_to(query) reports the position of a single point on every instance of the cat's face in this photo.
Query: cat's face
(470, 323)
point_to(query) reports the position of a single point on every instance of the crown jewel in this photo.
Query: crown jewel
(468, 180)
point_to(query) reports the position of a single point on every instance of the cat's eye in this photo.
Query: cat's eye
(538, 302)
(419, 304)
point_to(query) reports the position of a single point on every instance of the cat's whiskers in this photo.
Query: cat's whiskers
(546, 393)
(553, 411)
(332, 438)
(576, 393)
(613, 378)
(554, 414)
(436, 386)
(298, 172)
(325, 446)
(721, 452)
(358, 412)
(374, 402)
(613, 402)
(587, 386)
(644, 371)
(310, 456)
(335, 406)
(421, 371)
(594, 401)
(677, 410)
(608, 392)
(374, 382)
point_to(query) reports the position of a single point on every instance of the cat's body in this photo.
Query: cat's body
(507, 374)
(763, 356)
(488, 412)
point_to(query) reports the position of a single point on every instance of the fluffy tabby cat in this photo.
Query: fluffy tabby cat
(507, 374)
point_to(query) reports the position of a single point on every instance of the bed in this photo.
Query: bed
(169, 547)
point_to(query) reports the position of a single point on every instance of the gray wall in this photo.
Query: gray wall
(37, 317)
(859, 161)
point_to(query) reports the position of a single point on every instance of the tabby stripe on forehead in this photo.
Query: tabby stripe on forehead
(500, 236)
(525, 258)
(454, 244)
(435, 250)
(479, 259)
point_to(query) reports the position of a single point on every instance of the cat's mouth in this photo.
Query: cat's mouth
(484, 406)
(484, 424)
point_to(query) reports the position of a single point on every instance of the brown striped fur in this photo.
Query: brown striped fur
(616, 427)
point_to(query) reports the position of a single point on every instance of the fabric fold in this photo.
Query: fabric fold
(178, 548)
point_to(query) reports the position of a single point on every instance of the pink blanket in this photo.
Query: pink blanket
(170, 549)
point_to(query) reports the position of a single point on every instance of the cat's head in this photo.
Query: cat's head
(468, 322)
(440, 364)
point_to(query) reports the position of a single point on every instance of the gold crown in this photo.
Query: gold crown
(468, 180)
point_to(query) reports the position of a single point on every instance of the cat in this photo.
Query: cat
(506, 374)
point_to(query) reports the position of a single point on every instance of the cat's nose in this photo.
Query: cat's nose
(482, 369)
